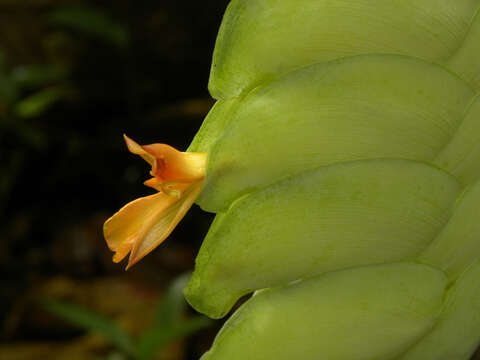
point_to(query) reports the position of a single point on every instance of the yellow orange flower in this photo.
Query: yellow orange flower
(143, 224)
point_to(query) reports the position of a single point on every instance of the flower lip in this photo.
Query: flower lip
(143, 224)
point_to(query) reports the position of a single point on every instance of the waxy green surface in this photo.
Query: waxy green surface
(260, 39)
(309, 92)
(457, 331)
(458, 244)
(349, 214)
(461, 156)
(213, 126)
(466, 60)
(364, 313)
(362, 107)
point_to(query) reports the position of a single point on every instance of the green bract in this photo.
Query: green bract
(259, 39)
(355, 213)
(343, 162)
(462, 155)
(457, 331)
(365, 313)
(356, 108)
(457, 245)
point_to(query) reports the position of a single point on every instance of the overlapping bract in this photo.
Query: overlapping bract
(333, 217)
(371, 312)
(343, 152)
(260, 39)
(362, 107)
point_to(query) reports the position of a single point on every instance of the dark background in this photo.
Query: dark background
(70, 86)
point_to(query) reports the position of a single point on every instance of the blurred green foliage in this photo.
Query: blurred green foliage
(29, 91)
(92, 22)
(25, 92)
(167, 325)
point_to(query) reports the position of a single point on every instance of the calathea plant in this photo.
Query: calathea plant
(343, 160)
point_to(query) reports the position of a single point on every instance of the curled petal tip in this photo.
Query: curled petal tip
(140, 226)
(168, 163)
(131, 145)
(133, 261)
(138, 149)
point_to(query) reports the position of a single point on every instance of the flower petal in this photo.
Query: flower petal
(143, 224)
(174, 189)
(169, 164)
(163, 223)
(137, 149)
(178, 166)
(133, 220)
